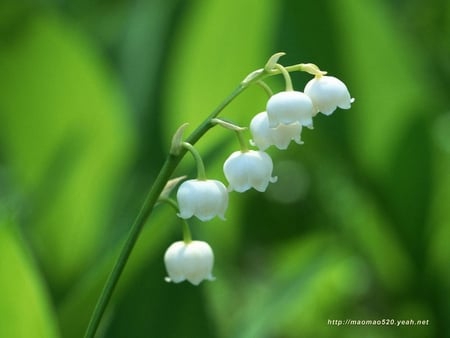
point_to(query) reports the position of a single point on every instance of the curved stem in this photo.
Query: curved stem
(266, 87)
(201, 173)
(287, 77)
(170, 202)
(146, 209)
(164, 175)
(187, 237)
(242, 142)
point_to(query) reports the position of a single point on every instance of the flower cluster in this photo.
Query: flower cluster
(287, 112)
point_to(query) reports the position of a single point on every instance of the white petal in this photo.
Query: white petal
(204, 199)
(281, 136)
(262, 135)
(212, 200)
(327, 93)
(192, 261)
(262, 166)
(198, 262)
(187, 199)
(289, 107)
(173, 260)
(236, 172)
(250, 169)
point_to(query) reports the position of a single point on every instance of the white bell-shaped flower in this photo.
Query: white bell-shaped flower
(290, 107)
(191, 261)
(248, 169)
(327, 93)
(281, 136)
(204, 199)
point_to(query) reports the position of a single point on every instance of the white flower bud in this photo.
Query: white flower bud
(249, 169)
(192, 261)
(327, 93)
(290, 107)
(204, 199)
(281, 136)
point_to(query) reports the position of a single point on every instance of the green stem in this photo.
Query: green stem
(242, 141)
(266, 88)
(287, 77)
(170, 202)
(147, 207)
(164, 175)
(187, 237)
(201, 173)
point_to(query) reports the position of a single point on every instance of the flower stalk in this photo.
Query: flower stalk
(166, 172)
(176, 154)
(242, 142)
(237, 129)
(287, 77)
(187, 237)
(201, 172)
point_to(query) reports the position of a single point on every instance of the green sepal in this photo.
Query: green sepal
(177, 140)
(273, 60)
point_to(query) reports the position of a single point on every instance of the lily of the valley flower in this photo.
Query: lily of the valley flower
(248, 169)
(327, 93)
(191, 261)
(204, 199)
(281, 136)
(290, 107)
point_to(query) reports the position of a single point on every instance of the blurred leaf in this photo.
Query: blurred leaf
(211, 57)
(438, 229)
(283, 288)
(439, 222)
(384, 76)
(355, 212)
(141, 53)
(65, 137)
(25, 307)
(296, 285)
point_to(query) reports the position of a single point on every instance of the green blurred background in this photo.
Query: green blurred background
(358, 226)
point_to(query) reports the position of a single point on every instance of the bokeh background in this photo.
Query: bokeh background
(358, 226)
